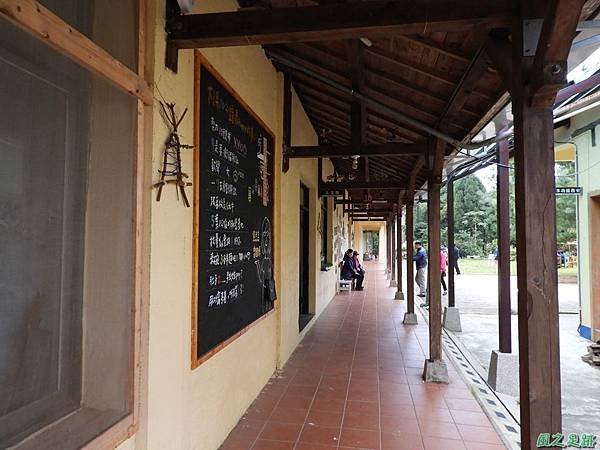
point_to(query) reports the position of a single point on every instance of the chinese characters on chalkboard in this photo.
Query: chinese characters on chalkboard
(234, 215)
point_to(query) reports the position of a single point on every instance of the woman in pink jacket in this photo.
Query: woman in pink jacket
(443, 267)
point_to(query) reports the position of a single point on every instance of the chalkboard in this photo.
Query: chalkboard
(233, 261)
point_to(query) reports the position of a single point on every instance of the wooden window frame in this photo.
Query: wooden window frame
(47, 27)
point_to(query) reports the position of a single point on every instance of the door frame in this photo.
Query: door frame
(594, 258)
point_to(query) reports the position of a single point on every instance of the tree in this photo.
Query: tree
(566, 205)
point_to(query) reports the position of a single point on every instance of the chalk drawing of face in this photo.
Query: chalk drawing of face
(263, 264)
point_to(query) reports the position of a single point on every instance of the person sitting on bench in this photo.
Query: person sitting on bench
(349, 271)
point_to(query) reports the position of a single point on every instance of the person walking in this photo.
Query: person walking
(444, 267)
(420, 259)
(456, 251)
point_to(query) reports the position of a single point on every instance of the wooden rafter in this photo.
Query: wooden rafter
(354, 185)
(333, 151)
(477, 67)
(329, 21)
(385, 76)
(440, 48)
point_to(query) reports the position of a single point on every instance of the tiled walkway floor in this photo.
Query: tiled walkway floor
(355, 382)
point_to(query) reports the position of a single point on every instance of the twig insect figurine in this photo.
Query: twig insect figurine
(171, 171)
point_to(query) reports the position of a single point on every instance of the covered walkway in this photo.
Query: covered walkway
(355, 381)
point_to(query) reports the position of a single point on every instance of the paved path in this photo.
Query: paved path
(355, 382)
(476, 297)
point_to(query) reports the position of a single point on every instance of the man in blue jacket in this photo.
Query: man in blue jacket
(420, 259)
(349, 271)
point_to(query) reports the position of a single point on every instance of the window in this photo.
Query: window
(324, 226)
(67, 142)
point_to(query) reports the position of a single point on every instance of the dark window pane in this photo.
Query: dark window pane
(111, 24)
(66, 152)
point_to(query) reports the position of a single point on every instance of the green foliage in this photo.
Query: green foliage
(566, 205)
(475, 221)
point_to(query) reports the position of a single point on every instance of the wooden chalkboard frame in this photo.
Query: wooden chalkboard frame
(201, 62)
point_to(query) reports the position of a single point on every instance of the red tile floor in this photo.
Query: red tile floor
(355, 382)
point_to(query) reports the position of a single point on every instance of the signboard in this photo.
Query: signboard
(233, 261)
(331, 192)
(568, 191)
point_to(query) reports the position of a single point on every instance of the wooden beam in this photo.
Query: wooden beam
(386, 76)
(411, 66)
(350, 201)
(46, 26)
(378, 211)
(358, 109)
(330, 22)
(354, 185)
(412, 184)
(499, 51)
(287, 120)
(340, 151)
(550, 65)
(464, 89)
(424, 42)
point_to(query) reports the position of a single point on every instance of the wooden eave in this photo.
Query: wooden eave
(434, 70)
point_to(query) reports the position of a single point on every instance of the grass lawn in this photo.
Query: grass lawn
(487, 267)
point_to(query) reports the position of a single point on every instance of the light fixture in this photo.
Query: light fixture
(366, 41)
(354, 161)
(186, 5)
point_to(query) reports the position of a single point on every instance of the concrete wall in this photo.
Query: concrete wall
(196, 409)
(588, 163)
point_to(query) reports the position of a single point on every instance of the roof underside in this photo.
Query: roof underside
(443, 79)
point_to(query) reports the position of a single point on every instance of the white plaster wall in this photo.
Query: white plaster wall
(588, 161)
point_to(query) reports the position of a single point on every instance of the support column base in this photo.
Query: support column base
(503, 376)
(410, 319)
(451, 321)
(393, 283)
(435, 371)
(399, 295)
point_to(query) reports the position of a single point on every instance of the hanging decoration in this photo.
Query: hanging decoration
(171, 171)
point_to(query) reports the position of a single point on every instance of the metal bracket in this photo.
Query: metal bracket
(532, 30)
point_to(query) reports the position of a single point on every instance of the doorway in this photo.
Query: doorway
(371, 245)
(303, 254)
(594, 250)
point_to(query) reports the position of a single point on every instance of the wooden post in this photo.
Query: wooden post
(451, 256)
(434, 290)
(503, 225)
(393, 250)
(536, 269)
(399, 294)
(410, 266)
(388, 238)
(539, 355)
